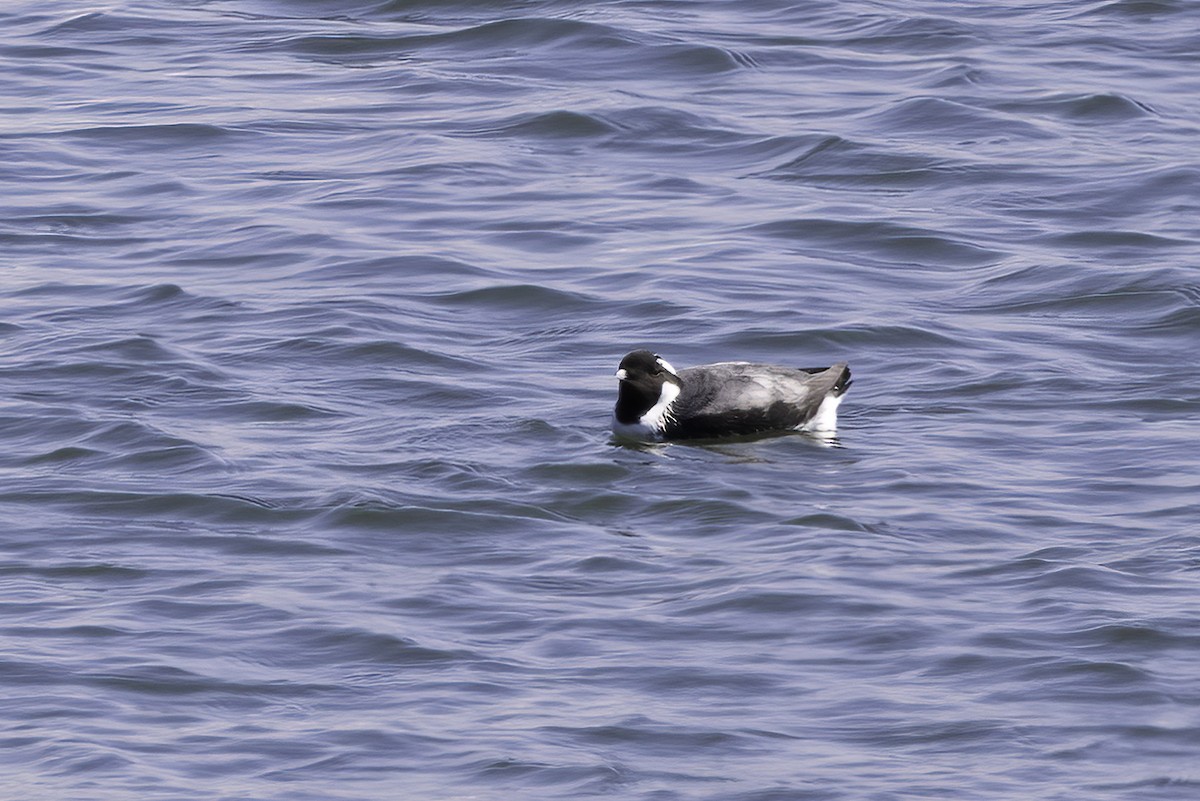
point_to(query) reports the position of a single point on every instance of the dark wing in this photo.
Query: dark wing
(739, 398)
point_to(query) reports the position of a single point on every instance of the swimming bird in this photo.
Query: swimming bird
(657, 402)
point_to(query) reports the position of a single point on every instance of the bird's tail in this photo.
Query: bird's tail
(843, 381)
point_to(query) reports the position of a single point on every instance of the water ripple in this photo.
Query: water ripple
(309, 324)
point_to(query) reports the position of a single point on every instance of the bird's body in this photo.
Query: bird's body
(656, 402)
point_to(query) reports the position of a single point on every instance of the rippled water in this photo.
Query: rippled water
(309, 316)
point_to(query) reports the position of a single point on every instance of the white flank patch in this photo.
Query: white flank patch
(650, 425)
(826, 417)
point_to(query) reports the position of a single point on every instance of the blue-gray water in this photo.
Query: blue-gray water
(310, 311)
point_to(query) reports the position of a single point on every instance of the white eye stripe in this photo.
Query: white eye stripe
(664, 364)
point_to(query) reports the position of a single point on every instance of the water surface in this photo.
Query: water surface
(309, 314)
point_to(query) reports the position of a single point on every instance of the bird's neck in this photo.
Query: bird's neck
(632, 403)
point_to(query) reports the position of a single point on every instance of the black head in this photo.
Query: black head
(642, 375)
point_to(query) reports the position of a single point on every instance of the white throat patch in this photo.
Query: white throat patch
(651, 424)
